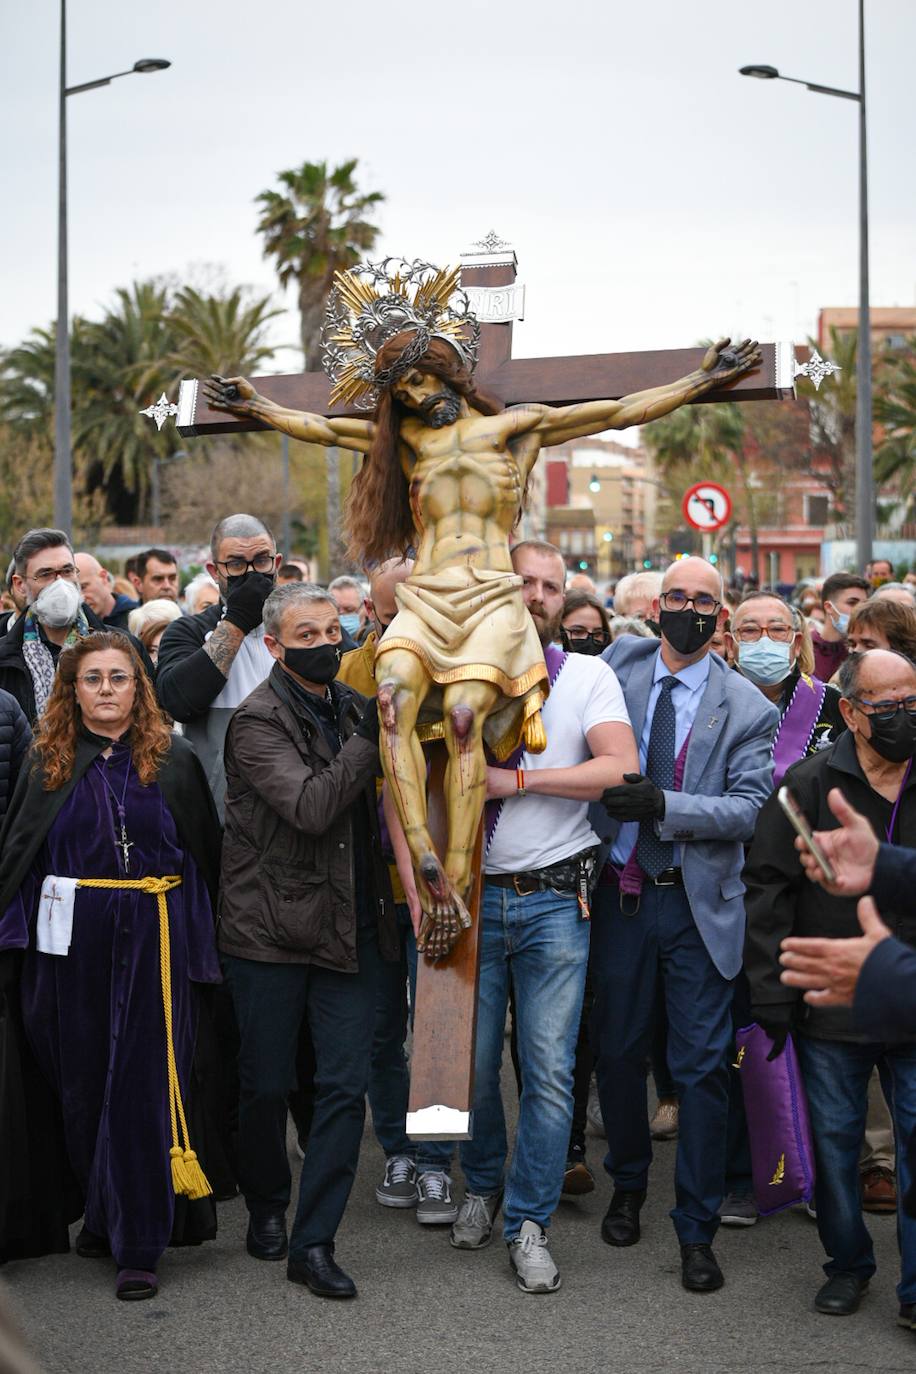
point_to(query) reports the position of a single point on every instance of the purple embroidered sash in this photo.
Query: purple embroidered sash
(632, 876)
(554, 657)
(797, 725)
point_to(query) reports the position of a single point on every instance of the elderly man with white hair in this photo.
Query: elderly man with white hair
(635, 593)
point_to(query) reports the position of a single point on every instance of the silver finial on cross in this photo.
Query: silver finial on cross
(161, 411)
(491, 243)
(816, 369)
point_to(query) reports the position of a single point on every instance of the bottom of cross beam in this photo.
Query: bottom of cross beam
(439, 1123)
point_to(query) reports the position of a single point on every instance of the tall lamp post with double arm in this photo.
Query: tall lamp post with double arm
(63, 457)
(865, 482)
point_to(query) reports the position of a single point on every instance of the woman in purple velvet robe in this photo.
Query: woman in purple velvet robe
(114, 796)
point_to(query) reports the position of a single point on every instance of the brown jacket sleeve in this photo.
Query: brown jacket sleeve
(263, 756)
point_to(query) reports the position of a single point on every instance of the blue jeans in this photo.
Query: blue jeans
(629, 952)
(836, 1080)
(541, 943)
(389, 1079)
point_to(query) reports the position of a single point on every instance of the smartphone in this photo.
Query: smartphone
(797, 819)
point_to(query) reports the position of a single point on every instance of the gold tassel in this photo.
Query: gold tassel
(188, 1178)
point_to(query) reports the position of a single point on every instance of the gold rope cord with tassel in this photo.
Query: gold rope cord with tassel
(188, 1178)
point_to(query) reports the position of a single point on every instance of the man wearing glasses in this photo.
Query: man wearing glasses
(669, 908)
(209, 663)
(872, 765)
(46, 580)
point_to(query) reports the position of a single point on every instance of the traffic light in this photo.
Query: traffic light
(714, 558)
(583, 564)
(647, 562)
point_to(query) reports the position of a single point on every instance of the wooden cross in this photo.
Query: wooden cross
(442, 1060)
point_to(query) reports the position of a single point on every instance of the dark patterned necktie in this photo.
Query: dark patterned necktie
(652, 854)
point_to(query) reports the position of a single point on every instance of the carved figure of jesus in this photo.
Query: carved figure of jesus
(446, 471)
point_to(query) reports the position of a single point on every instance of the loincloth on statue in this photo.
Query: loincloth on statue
(471, 625)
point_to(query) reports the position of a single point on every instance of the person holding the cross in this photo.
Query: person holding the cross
(446, 471)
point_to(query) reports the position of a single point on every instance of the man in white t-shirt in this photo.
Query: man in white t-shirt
(535, 933)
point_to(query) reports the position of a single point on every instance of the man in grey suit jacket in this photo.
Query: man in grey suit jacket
(669, 910)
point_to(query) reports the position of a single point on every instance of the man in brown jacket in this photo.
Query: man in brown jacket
(305, 917)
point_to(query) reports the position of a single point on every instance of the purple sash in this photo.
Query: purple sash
(554, 657)
(797, 725)
(778, 1125)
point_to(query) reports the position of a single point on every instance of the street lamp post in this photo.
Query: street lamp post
(865, 483)
(63, 457)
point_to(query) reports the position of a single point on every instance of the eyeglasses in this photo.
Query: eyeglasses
(49, 574)
(576, 635)
(118, 681)
(886, 710)
(237, 567)
(750, 634)
(703, 603)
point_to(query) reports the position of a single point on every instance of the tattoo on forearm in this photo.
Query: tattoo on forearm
(223, 645)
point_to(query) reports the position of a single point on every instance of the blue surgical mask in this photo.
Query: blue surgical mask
(765, 663)
(840, 621)
(349, 622)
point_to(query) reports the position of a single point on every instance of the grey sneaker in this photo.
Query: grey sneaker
(664, 1123)
(474, 1227)
(535, 1271)
(399, 1186)
(738, 1210)
(434, 1200)
(593, 1113)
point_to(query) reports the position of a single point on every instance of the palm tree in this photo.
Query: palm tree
(895, 410)
(223, 333)
(317, 225)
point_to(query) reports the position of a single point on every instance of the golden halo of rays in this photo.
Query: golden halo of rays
(359, 294)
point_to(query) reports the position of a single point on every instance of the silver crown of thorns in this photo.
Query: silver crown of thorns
(373, 302)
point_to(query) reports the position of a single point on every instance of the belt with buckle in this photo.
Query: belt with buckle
(521, 883)
(669, 877)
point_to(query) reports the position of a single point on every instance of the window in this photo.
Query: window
(816, 509)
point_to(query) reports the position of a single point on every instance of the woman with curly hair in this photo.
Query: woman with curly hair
(106, 928)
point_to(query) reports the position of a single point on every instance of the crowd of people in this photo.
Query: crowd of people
(208, 914)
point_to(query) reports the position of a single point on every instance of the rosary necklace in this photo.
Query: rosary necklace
(124, 844)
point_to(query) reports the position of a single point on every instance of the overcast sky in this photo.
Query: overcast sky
(653, 196)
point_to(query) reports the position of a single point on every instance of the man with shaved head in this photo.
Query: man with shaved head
(208, 663)
(669, 910)
(99, 594)
(872, 766)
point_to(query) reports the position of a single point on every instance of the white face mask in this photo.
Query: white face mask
(57, 605)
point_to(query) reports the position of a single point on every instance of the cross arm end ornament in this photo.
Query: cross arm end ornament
(816, 369)
(161, 410)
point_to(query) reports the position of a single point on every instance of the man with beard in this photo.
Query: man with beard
(534, 912)
(208, 663)
(446, 472)
(872, 766)
(669, 907)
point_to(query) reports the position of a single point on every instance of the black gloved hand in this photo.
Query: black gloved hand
(245, 600)
(776, 1019)
(636, 799)
(368, 723)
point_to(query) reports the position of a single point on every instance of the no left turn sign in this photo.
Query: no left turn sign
(706, 506)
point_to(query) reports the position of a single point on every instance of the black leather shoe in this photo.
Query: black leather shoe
(840, 1295)
(90, 1246)
(699, 1271)
(317, 1269)
(621, 1220)
(266, 1239)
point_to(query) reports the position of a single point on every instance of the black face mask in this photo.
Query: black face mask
(315, 665)
(894, 739)
(686, 631)
(592, 644)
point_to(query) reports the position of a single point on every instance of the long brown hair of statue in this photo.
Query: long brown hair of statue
(379, 521)
(58, 726)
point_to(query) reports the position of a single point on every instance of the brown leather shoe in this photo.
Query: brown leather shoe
(879, 1191)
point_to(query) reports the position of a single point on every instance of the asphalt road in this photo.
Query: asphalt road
(424, 1306)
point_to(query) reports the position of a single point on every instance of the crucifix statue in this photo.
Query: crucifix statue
(445, 471)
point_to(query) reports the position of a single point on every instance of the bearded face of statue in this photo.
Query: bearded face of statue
(429, 397)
